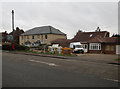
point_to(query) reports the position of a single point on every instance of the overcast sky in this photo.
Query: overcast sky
(68, 17)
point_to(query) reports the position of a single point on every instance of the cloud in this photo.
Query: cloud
(69, 17)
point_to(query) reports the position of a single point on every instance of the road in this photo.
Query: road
(34, 71)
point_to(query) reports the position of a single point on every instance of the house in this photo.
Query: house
(14, 35)
(84, 38)
(107, 45)
(95, 42)
(3, 38)
(41, 35)
(7, 38)
(98, 42)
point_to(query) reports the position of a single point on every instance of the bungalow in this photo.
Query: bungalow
(41, 35)
(107, 45)
(96, 42)
(84, 38)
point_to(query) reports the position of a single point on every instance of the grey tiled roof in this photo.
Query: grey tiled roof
(43, 30)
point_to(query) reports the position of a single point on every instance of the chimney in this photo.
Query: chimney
(13, 20)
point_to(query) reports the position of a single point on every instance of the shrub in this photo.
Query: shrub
(6, 47)
(21, 47)
(17, 47)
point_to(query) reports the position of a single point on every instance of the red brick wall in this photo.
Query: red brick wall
(103, 45)
(94, 51)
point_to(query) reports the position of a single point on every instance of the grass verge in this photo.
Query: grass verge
(117, 59)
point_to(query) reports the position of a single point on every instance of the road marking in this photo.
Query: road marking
(50, 64)
(112, 80)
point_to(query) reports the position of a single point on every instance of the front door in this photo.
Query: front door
(85, 47)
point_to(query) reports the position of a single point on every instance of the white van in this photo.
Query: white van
(77, 47)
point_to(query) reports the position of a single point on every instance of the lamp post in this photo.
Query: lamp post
(13, 29)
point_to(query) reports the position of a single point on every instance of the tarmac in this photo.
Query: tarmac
(34, 54)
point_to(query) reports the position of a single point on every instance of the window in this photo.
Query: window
(22, 37)
(27, 37)
(38, 36)
(91, 35)
(95, 46)
(78, 46)
(42, 37)
(32, 37)
(45, 36)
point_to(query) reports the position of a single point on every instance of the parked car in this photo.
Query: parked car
(77, 47)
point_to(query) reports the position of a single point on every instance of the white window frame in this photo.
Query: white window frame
(93, 45)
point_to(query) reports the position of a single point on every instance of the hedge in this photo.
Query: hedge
(17, 47)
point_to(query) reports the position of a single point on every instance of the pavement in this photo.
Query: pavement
(99, 58)
(35, 54)
(36, 71)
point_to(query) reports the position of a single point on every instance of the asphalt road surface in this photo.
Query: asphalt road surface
(34, 71)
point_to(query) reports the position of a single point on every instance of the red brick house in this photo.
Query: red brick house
(4, 36)
(85, 37)
(105, 45)
(8, 37)
(94, 42)
(3, 39)
(16, 34)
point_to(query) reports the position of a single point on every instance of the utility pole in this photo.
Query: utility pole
(13, 29)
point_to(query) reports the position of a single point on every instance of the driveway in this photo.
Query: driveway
(100, 58)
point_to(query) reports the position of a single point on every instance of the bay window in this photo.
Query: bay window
(95, 46)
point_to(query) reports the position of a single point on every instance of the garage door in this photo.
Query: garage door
(117, 49)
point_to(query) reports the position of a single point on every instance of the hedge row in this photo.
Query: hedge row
(17, 47)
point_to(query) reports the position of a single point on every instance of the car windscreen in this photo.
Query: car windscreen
(78, 46)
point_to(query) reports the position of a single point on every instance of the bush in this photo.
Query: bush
(21, 47)
(17, 47)
(6, 47)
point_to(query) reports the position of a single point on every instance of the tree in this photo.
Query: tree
(116, 35)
